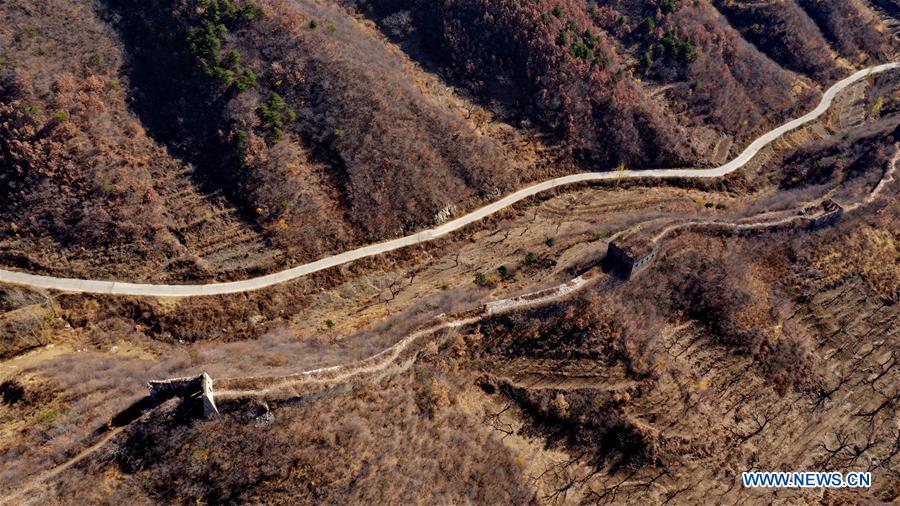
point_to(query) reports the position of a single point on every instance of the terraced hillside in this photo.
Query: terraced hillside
(659, 389)
(631, 393)
(684, 72)
(520, 359)
(282, 131)
(85, 188)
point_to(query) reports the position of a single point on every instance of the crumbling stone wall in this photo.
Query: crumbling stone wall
(626, 264)
(193, 387)
(832, 212)
(631, 257)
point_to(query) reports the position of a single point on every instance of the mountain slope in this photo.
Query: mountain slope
(189, 139)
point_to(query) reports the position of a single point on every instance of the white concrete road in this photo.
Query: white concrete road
(142, 289)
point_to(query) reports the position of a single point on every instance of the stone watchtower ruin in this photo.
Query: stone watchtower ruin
(198, 388)
(630, 255)
(831, 213)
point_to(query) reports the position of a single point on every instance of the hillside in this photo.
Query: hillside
(280, 131)
(411, 251)
(630, 394)
(636, 82)
(662, 387)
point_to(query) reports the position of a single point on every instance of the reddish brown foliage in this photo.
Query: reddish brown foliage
(853, 28)
(397, 158)
(786, 34)
(581, 92)
(335, 449)
(72, 161)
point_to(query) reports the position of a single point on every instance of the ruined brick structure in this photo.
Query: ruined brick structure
(627, 259)
(832, 212)
(193, 387)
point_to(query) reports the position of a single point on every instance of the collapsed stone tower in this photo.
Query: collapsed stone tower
(632, 252)
(831, 213)
(628, 259)
(193, 387)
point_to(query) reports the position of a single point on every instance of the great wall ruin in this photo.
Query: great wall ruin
(625, 259)
(199, 389)
(629, 253)
(636, 250)
(192, 388)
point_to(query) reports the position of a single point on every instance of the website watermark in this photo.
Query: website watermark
(806, 479)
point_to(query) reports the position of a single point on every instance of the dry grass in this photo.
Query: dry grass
(871, 253)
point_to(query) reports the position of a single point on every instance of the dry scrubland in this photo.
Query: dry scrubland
(283, 130)
(632, 394)
(280, 131)
(662, 388)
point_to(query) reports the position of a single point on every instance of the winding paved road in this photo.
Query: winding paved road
(142, 289)
(384, 360)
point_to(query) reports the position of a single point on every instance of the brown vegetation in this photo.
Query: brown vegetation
(329, 143)
(838, 160)
(747, 363)
(323, 135)
(742, 311)
(785, 33)
(656, 390)
(582, 69)
(692, 365)
(869, 252)
(553, 64)
(853, 28)
(50, 410)
(323, 451)
(73, 162)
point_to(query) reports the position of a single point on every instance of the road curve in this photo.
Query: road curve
(142, 289)
(382, 360)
